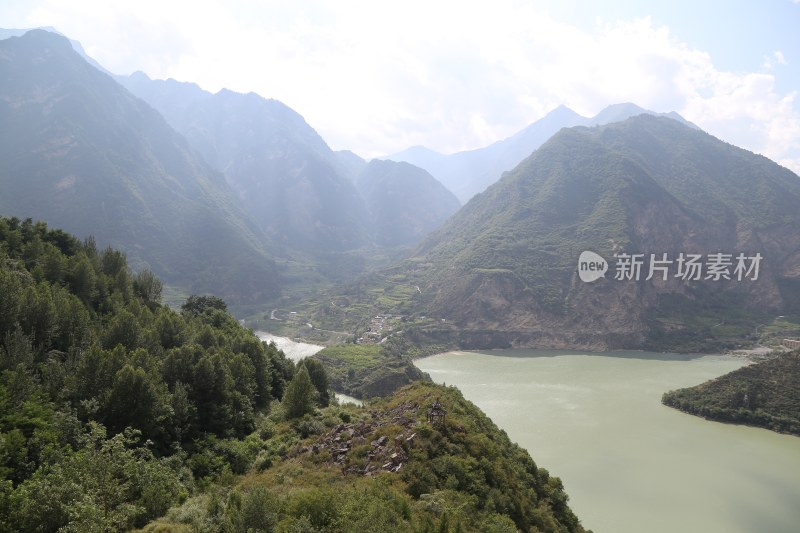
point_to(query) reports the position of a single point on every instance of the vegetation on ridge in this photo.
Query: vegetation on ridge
(383, 468)
(113, 407)
(765, 394)
(368, 370)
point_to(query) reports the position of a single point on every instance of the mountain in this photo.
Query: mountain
(405, 202)
(5, 33)
(81, 152)
(283, 172)
(352, 163)
(504, 269)
(620, 112)
(470, 172)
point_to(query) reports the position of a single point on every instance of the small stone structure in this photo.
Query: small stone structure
(791, 343)
(436, 413)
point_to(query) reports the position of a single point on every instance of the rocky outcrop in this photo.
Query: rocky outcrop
(365, 447)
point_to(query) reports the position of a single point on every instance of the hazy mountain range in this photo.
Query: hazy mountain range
(504, 269)
(82, 153)
(209, 189)
(283, 172)
(128, 172)
(471, 172)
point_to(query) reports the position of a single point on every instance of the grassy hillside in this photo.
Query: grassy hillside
(385, 468)
(114, 407)
(765, 394)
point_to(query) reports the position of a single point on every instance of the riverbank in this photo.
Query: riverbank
(294, 350)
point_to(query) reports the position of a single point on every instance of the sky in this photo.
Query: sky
(377, 77)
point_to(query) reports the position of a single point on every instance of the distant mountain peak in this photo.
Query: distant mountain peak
(562, 111)
(42, 32)
(470, 172)
(626, 110)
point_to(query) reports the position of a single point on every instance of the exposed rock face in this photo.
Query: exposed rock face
(382, 454)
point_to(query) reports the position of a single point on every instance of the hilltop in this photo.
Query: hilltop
(386, 468)
(471, 172)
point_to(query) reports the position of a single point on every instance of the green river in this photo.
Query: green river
(628, 463)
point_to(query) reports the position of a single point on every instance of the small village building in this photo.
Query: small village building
(791, 343)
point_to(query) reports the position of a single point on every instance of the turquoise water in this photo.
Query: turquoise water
(629, 463)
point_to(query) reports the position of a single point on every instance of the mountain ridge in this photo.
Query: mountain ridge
(283, 172)
(503, 271)
(470, 172)
(83, 153)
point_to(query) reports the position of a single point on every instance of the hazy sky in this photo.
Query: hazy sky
(377, 77)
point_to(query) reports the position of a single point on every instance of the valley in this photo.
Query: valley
(213, 320)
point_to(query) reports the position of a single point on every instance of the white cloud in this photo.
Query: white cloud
(776, 58)
(377, 77)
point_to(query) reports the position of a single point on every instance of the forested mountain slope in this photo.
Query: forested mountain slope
(82, 153)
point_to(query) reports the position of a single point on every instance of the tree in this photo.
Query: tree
(319, 378)
(107, 485)
(11, 289)
(82, 279)
(300, 395)
(38, 314)
(196, 305)
(171, 328)
(136, 401)
(124, 329)
(148, 287)
(184, 413)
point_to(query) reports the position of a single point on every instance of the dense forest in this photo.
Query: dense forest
(766, 394)
(114, 407)
(117, 412)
